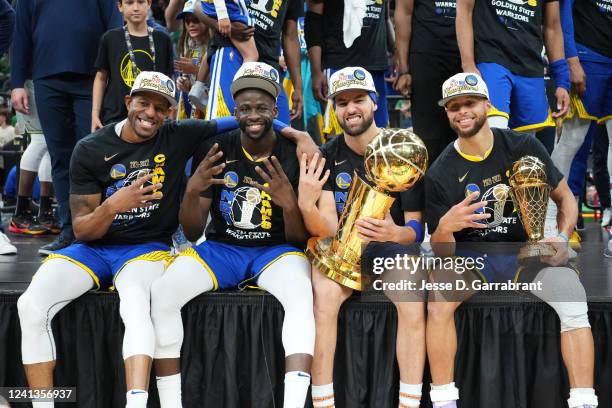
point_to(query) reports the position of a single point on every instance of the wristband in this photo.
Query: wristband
(560, 72)
(564, 236)
(418, 229)
(403, 72)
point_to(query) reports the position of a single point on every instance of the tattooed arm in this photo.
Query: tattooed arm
(91, 220)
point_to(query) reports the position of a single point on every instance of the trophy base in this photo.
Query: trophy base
(535, 250)
(320, 254)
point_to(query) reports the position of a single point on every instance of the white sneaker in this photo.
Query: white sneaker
(606, 218)
(6, 248)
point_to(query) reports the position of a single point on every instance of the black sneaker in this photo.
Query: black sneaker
(580, 222)
(62, 241)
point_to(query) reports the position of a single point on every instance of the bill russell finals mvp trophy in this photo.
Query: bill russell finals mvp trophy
(394, 161)
(530, 190)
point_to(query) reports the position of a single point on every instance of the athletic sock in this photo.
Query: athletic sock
(296, 389)
(444, 396)
(323, 396)
(45, 205)
(410, 395)
(136, 399)
(169, 389)
(23, 205)
(582, 397)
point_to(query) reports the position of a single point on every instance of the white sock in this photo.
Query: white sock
(169, 389)
(42, 404)
(410, 395)
(296, 389)
(582, 396)
(323, 396)
(443, 394)
(136, 398)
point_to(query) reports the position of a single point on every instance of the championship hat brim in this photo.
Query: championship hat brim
(248, 82)
(442, 102)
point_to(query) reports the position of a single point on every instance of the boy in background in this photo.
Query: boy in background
(123, 53)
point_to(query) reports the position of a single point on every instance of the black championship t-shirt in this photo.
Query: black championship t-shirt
(369, 49)
(102, 163)
(510, 33)
(113, 57)
(593, 25)
(242, 214)
(433, 27)
(452, 177)
(344, 162)
(269, 16)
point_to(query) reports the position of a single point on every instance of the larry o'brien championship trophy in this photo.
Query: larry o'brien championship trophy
(530, 191)
(394, 161)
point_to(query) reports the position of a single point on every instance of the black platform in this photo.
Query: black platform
(509, 355)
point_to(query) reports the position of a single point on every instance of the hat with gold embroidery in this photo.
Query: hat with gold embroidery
(463, 84)
(156, 82)
(256, 75)
(350, 78)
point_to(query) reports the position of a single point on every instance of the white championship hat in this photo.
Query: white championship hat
(463, 84)
(256, 75)
(155, 82)
(350, 78)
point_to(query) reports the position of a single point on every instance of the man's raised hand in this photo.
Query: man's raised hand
(204, 176)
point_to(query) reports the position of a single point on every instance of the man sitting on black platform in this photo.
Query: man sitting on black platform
(322, 199)
(477, 161)
(251, 240)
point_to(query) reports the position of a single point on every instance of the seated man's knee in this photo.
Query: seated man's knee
(31, 316)
(441, 311)
(572, 315)
(328, 297)
(134, 305)
(412, 313)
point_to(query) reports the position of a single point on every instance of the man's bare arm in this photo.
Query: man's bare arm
(465, 34)
(90, 220)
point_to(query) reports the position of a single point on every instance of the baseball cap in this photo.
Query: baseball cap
(350, 78)
(155, 82)
(463, 84)
(187, 9)
(256, 75)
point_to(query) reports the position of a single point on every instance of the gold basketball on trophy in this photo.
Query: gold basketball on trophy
(530, 191)
(394, 161)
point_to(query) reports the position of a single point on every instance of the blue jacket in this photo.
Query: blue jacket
(59, 36)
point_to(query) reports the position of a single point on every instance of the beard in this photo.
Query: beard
(267, 125)
(366, 122)
(478, 124)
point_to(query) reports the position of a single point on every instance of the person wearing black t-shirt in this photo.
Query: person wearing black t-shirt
(502, 41)
(125, 182)
(122, 54)
(337, 38)
(323, 191)
(468, 171)
(275, 26)
(253, 239)
(427, 53)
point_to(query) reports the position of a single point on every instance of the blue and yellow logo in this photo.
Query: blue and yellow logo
(117, 171)
(231, 179)
(472, 188)
(344, 180)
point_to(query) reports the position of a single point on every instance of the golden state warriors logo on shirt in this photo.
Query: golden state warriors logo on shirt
(343, 180)
(118, 171)
(230, 179)
(127, 74)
